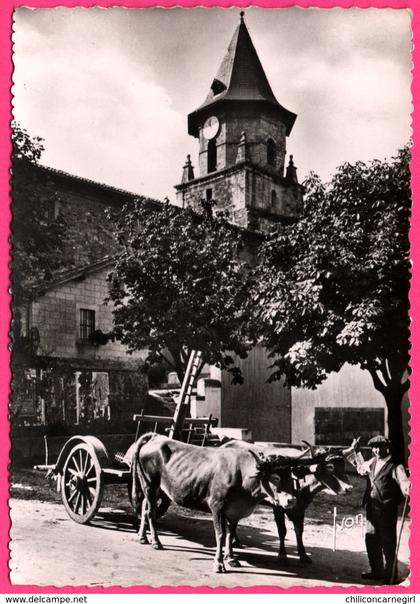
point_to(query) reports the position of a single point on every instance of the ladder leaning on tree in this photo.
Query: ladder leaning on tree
(195, 430)
(184, 398)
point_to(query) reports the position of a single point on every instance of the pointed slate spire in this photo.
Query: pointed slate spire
(241, 73)
(240, 77)
(187, 171)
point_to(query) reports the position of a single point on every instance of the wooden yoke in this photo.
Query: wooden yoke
(184, 398)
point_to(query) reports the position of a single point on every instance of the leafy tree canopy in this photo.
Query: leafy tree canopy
(333, 287)
(25, 146)
(37, 229)
(179, 285)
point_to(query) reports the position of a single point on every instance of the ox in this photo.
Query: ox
(228, 482)
(329, 473)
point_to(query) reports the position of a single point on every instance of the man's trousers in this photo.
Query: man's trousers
(381, 537)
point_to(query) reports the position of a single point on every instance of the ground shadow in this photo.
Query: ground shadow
(341, 566)
(115, 520)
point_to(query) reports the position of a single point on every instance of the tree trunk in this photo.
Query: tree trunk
(393, 400)
(178, 364)
(392, 388)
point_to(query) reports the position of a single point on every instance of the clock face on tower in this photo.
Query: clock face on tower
(211, 127)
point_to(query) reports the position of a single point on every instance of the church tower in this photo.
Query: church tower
(241, 130)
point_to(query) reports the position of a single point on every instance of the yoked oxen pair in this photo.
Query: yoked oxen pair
(326, 473)
(229, 482)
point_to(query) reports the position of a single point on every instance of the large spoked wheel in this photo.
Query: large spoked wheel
(82, 484)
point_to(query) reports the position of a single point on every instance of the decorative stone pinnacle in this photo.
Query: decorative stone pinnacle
(242, 15)
(291, 171)
(242, 154)
(187, 171)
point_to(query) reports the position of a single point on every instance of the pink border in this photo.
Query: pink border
(6, 68)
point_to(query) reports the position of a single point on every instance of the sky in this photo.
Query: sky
(110, 89)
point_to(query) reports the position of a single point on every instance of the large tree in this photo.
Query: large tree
(333, 287)
(38, 231)
(179, 285)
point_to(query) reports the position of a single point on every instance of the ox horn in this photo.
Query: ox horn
(259, 458)
(312, 448)
(304, 452)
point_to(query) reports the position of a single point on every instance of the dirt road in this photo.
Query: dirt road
(47, 548)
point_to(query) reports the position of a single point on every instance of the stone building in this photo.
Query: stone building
(66, 370)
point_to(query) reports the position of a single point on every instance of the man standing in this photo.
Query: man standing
(387, 484)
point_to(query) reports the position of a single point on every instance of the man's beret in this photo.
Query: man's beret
(378, 440)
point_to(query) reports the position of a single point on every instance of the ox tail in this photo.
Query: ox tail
(138, 476)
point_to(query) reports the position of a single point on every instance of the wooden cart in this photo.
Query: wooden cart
(84, 467)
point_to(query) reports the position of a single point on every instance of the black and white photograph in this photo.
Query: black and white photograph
(210, 337)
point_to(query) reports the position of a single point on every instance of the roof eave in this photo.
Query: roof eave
(286, 116)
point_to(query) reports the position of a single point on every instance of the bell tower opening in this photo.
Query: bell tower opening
(271, 153)
(273, 199)
(211, 156)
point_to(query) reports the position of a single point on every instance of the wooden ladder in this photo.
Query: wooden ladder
(184, 398)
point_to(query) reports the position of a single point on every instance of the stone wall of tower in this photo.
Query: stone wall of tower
(228, 189)
(279, 198)
(252, 198)
(259, 129)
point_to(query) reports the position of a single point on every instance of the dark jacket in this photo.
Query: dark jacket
(383, 488)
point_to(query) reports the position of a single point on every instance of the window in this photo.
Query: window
(273, 199)
(337, 425)
(271, 152)
(87, 323)
(217, 86)
(208, 202)
(211, 156)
